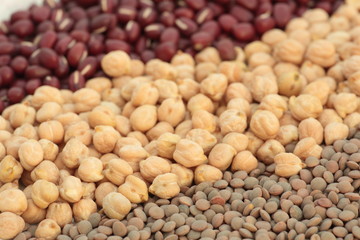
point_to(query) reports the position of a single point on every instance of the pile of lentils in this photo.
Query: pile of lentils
(45, 45)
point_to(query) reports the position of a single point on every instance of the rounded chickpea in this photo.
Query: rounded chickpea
(307, 147)
(209, 54)
(85, 99)
(143, 118)
(335, 131)
(33, 214)
(116, 171)
(105, 138)
(166, 144)
(283, 67)
(46, 170)
(2, 150)
(214, 86)
(287, 134)
(165, 186)
(202, 70)
(134, 189)
(244, 161)
(183, 128)
(51, 130)
(166, 89)
(99, 84)
(352, 120)
(269, 150)
(290, 83)
(90, 169)
(26, 130)
(289, 50)
(141, 137)
(182, 58)
(321, 52)
(238, 141)
(233, 70)
(311, 127)
(159, 129)
(329, 116)
(221, 156)
(122, 125)
(204, 120)
(305, 106)
(113, 95)
(13, 144)
(30, 154)
(261, 58)
(116, 63)
(145, 93)
(263, 85)
(189, 153)
(67, 118)
(133, 154)
(264, 124)
(44, 192)
(79, 130)
(311, 71)
(45, 94)
(159, 69)
(232, 120)
(10, 169)
(71, 189)
(10, 225)
(153, 166)
(275, 104)
(287, 164)
(116, 205)
(185, 175)
(273, 37)
(256, 47)
(48, 111)
(102, 190)
(203, 137)
(345, 103)
(73, 151)
(240, 104)
(313, 89)
(13, 200)
(123, 141)
(60, 212)
(237, 90)
(207, 173)
(172, 110)
(200, 101)
(89, 190)
(188, 88)
(302, 36)
(101, 115)
(21, 114)
(83, 209)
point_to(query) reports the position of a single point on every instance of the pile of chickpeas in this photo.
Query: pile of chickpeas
(156, 128)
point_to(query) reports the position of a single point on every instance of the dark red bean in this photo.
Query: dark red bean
(4, 60)
(226, 22)
(166, 6)
(77, 13)
(48, 39)
(226, 49)
(241, 14)
(147, 55)
(141, 45)
(40, 13)
(80, 36)
(204, 15)
(45, 26)
(76, 81)
(116, 33)
(35, 71)
(22, 28)
(167, 18)
(184, 12)
(64, 44)
(186, 26)
(7, 75)
(32, 85)
(4, 38)
(65, 25)
(57, 15)
(184, 43)
(243, 31)
(282, 14)
(19, 64)
(19, 83)
(125, 14)
(102, 23)
(132, 30)
(201, 40)
(145, 3)
(15, 94)
(196, 4)
(24, 14)
(77, 53)
(82, 24)
(95, 44)
(86, 3)
(108, 6)
(6, 48)
(88, 66)
(113, 45)
(34, 58)
(165, 51)
(170, 34)
(93, 11)
(217, 9)
(303, 2)
(51, 81)
(264, 8)
(251, 5)
(263, 24)
(4, 27)
(26, 48)
(63, 69)
(99, 58)
(48, 58)
(129, 3)
(211, 27)
(147, 16)
(153, 31)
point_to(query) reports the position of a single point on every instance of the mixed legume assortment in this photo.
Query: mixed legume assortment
(264, 145)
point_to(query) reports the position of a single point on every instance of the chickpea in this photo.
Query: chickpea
(256, 47)
(21, 114)
(145, 93)
(151, 148)
(275, 104)
(85, 99)
(90, 169)
(73, 151)
(315, 15)
(239, 104)
(26, 130)
(185, 175)
(189, 154)
(311, 71)
(123, 141)
(101, 116)
(10, 225)
(43, 193)
(284, 67)
(113, 95)
(116, 205)
(30, 154)
(154, 166)
(262, 86)
(83, 209)
(89, 190)
(352, 120)
(287, 134)
(289, 50)
(345, 103)
(307, 147)
(203, 137)
(122, 125)
(233, 70)
(2, 151)
(133, 155)
(188, 88)
(67, 119)
(209, 54)
(264, 124)
(10, 169)
(232, 120)
(46, 94)
(165, 186)
(221, 156)
(99, 84)
(46, 170)
(51, 130)
(183, 128)
(160, 70)
(311, 127)
(60, 212)
(33, 214)
(244, 161)
(116, 63)
(287, 164)
(13, 200)
(134, 189)
(321, 52)
(350, 66)
(335, 131)
(143, 118)
(48, 111)
(236, 90)
(117, 170)
(102, 190)
(13, 144)
(139, 136)
(302, 36)
(166, 144)
(181, 58)
(207, 173)
(166, 89)
(313, 89)
(105, 138)
(200, 101)
(305, 106)
(273, 37)
(204, 69)
(159, 129)
(214, 86)
(171, 110)
(204, 120)
(269, 150)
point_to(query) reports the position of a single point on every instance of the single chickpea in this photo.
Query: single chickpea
(26, 130)
(90, 169)
(165, 186)
(339, 23)
(143, 118)
(4, 124)
(319, 30)
(350, 66)
(165, 89)
(185, 175)
(116, 63)
(128, 89)
(214, 86)
(122, 125)
(79, 130)
(256, 47)
(21, 114)
(311, 71)
(128, 109)
(12, 145)
(275, 104)
(305, 106)
(105, 138)
(284, 67)
(221, 156)
(187, 88)
(184, 71)
(160, 70)
(133, 155)
(30, 154)
(60, 212)
(137, 68)
(46, 170)
(123, 141)
(232, 120)
(291, 83)
(43, 193)
(273, 37)
(116, 205)
(237, 90)
(244, 161)
(117, 170)
(89, 190)
(83, 209)
(113, 95)
(139, 136)
(261, 86)
(203, 137)
(10, 169)
(287, 134)
(48, 111)
(261, 58)
(238, 141)
(233, 70)
(307, 147)
(204, 69)
(101, 115)
(85, 99)
(328, 116)
(159, 129)
(207, 173)
(166, 144)
(302, 36)
(335, 131)
(13, 200)
(200, 101)
(183, 128)
(254, 142)
(181, 58)
(287, 164)
(321, 52)
(5, 136)
(111, 106)
(51, 130)
(134, 189)
(339, 38)
(73, 151)
(102, 190)
(151, 148)
(93, 152)
(345, 103)
(10, 225)
(240, 54)
(154, 166)
(2, 151)
(67, 118)
(289, 50)
(269, 150)
(204, 120)
(264, 124)
(313, 89)
(33, 214)
(310, 127)
(347, 10)
(105, 159)
(352, 120)
(99, 84)
(209, 54)
(240, 104)
(172, 110)
(45, 94)
(145, 93)
(316, 15)
(189, 153)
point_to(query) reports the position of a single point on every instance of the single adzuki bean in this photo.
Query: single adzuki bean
(282, 14)
(76, 81)
(211, 27)
(45, 26)
(241, 14)
(4, 60)
(147, 55)
(204, 15)
(147, 16)
(65, 25)
(184, 12)
(48, 58)
(167, 18)
(88, 66)
(95, 44)
(77, 53)
(63, 68)
(153, 31)
(125, 14)
(264, 8)
(40, 13)
(15, 94)
(80, 35)
(113, 45)
(57, 15)
(170, 34)
(186, 26)
(141, 45)
(51, 81)
(18, 15)
(26, 48)
(32, 85)
(82, 24)
(22, 28)
(226, 49)
(243, 31)
(62, 46)
(35, 71)
(48, 39)
(201, 40)
(6, 75)
(19, 64)
(132, 30)
(102, 23)
(7, 48)
(116, 33)
(165, 51)
(226, 22)
(77, 13)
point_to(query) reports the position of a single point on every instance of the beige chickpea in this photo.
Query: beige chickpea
(287, 164)
(151, 148)
(283, 67)
(45, 94)
(85, 99)
(139, 136)
(254, 143)
(89, 190)
(165, 186)
(233, 70)
(273, 37)
(116, 205)
(204, 120)
(79, 130)
(269, 150)
(311, 127)
(90, 169)
(145, 93)
(319, 30)
(171, 110)
(183, 128)
(232, 120)
(184, 71)
(12, 185)
(154, 166)
(83, 209)
(51, 130)
(203, 137)
(238, 141)
(321, 52)
(10, 225)
(307, 147)
(137, 68)
(311, 71)
(48, 111)
(244, 161)
(189, 153)
(134, 189)
(214, 86)
(2, 150)
(264, 124)
(67, 118)
(275, 104)
(166, 144)
(43, 193)
(93, 152)
(221, 156)
(143, 118)
(263, 85)
(102, 190)
(313, 88)
(301, 35)
(287, 134)
(105, 138)
(33, 214)
(46, 170)
(347, 10)
(335, 131)
(10, 169)
(105, 159)
(50, 149)
(289, 50)
(350, 66)
(128, 109)
(133, 155)
(30, 154)
(188, 88)
(209, 54)
(256, 47)
(99, 84)
(13, 200)
(236, 90)
(101, 115)
(200, 101)
(26, 130)
(123, 141)
(12, 145)
(73, 151)
(352, 120)
(159, 69)
(119, 82)
(207, 173)
(68, 107)
(122, 125)
(181, 58)
(185, 175)
(339, 39)
(339, 23)
(4, 124)
(60, 212)
(354, 83)
(159, 129)
(166, 89)
(113, 95)
(260, 58)
(204, 69)
(305, 106)
(240, 104)
(345, 103)
(128, 89)
(290, 83)
(21, 114)
(328, 116)
(111, 106)
(116, 63)
(315, 15)
(117, 170)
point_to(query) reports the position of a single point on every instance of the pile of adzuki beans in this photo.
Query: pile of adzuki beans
(46, 44)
